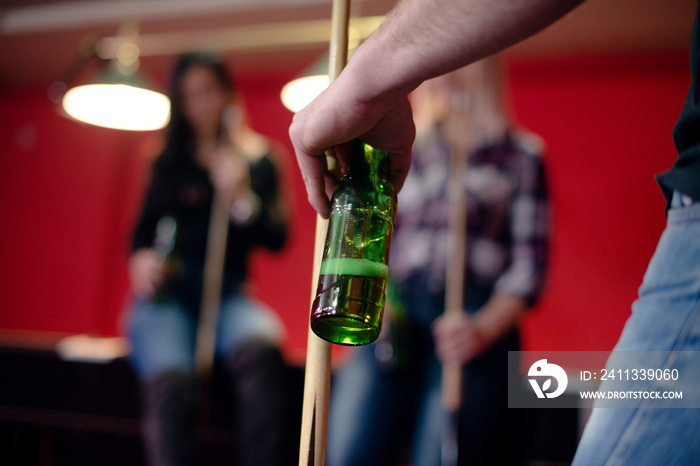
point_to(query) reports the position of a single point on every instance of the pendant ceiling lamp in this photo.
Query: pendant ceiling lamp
(299, 92)
(119, 101)
(118, 97)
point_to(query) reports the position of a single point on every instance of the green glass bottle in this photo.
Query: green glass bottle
(350, 297)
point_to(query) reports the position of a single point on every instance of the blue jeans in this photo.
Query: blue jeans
(163, 334)
(666, 317)
(373, 410)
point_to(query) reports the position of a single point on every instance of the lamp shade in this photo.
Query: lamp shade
(118, 100)
(299, 92)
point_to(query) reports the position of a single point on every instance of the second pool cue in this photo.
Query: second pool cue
(461, 144)
(211, 287)
(454, 289)
(212, 280)
(314, 423)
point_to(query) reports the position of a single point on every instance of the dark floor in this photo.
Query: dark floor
(55, 413)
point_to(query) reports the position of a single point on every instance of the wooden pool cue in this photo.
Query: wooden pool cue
(460, 148)
(317, 379)
(454, 286)
(211, 287)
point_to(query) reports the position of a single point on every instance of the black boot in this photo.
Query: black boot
(259, 379)
(169, 418)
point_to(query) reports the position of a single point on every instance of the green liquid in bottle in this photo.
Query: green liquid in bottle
(356, 287)
(350, 297)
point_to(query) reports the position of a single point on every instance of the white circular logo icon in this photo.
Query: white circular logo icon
(542, 369)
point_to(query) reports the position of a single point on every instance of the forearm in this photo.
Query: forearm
(410, 46)
(421, 39)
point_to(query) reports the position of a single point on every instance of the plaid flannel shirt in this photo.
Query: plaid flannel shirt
(507, 221)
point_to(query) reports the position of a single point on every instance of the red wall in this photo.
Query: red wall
(607, 122)
(70, 193)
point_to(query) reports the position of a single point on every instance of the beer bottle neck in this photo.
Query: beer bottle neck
(369, 162)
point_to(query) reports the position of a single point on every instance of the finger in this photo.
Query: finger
(313, 171)
(451, 352)
(450, 323)
(457, 351)
(331, 182)
(343, 154)
(442, 327)
(311, 159)
(400, 165)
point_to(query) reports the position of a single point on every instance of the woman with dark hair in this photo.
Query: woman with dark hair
(208, 149)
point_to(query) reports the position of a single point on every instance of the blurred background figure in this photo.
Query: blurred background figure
(387, 397)
(208, 148)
